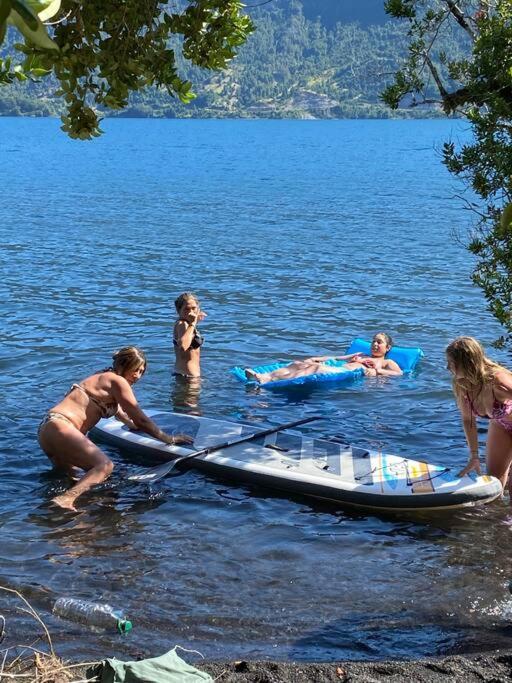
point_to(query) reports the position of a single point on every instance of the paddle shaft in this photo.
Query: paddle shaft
(156, 473)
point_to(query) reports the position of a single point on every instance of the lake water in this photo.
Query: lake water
(297, 236)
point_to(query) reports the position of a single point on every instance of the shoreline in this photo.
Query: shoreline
(494, 666)
(490, 666)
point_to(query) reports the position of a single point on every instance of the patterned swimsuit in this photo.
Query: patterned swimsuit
(501, 411)
(106, 409)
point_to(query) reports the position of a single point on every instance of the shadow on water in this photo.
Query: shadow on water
(372, 635)
(409, 626)
(300, 393)
(404, 632)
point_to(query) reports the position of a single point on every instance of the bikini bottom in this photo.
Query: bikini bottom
(53, 417)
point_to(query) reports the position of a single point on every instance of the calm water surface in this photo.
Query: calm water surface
(297, 236)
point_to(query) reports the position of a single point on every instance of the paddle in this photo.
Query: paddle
(156, 473)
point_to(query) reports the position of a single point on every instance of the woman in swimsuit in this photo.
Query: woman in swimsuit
(483, 388)
(375, 364)
(187, 339)
(62, 432)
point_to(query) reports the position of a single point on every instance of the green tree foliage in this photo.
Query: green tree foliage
(290, 66)
(478, 86)
(100, 51)
(364, 12)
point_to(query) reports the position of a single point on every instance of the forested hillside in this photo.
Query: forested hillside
(366, 12)
(293, 65)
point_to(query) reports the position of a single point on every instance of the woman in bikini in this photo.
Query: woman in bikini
(62, 432)
(187, 339)
(373, 365)
(483, 388)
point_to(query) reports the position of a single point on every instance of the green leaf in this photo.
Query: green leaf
(25, 13)
(52, 9)
(45, 9)
(39, 72)
(38, 37)
(5, 9)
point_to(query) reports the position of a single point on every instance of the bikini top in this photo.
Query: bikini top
(500, 409)
(106, 409)
(197, 339)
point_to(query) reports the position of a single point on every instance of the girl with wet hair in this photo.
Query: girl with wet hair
(63, 431)
(187, 339)
(373, 365)
(483, 388)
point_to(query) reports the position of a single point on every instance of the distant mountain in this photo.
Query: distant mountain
(297, 64)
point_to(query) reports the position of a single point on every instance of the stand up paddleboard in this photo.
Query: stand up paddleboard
(300, 464)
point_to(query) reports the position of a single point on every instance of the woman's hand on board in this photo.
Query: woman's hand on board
(175, 439)
(472, 466)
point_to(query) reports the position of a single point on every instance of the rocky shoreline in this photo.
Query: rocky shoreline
(488, 667)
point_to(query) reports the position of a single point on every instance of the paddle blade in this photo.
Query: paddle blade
(155, 473)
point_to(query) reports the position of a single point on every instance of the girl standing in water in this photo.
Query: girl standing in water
(187, 339)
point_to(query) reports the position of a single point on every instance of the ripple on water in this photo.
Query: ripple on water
(273, 225)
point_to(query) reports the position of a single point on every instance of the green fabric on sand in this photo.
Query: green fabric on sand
(168, 668)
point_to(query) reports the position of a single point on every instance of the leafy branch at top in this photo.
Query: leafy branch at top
(102, 50)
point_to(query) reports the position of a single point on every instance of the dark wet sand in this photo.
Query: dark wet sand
(495, 667)
(489, 667)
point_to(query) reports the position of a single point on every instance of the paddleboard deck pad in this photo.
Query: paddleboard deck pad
(300, 464)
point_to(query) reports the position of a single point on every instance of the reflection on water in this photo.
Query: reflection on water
(260, 218)
(185, 394)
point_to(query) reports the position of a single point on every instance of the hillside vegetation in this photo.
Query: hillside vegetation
(291, 66)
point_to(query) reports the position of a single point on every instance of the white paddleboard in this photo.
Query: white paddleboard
(301, 464)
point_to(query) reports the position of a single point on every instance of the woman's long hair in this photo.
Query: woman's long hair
(468, 358)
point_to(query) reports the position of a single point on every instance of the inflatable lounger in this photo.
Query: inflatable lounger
(406, 357)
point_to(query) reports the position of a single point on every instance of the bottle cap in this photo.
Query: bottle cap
(123, 625)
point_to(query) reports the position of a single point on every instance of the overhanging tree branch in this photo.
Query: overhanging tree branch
(460, 17)
(478, 85)
(100, 52)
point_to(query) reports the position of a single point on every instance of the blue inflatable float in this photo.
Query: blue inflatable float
(406, 357)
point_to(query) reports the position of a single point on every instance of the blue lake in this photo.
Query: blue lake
(297, 236)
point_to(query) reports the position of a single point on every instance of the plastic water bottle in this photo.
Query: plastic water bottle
(92, 613)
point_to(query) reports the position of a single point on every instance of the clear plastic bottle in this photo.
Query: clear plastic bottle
(92, 613)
